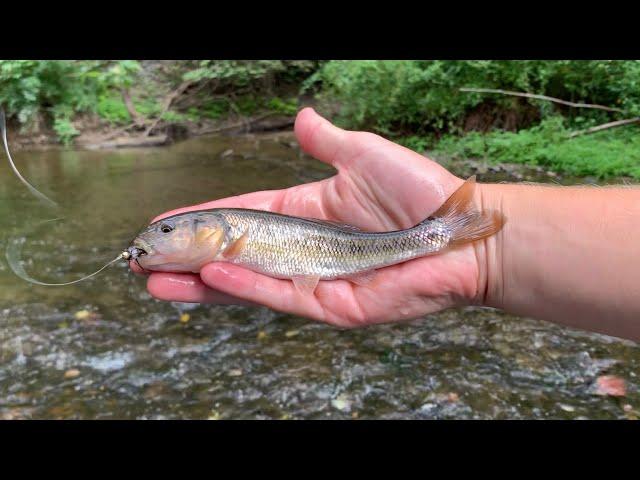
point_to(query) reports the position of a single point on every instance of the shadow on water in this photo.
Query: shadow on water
(105, 349)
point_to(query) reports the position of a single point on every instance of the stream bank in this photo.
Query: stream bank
(97, 135)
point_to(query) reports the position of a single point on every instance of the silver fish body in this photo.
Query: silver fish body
(284, 247)
(297, 248)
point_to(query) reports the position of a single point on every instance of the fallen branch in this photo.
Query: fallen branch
(120, 131)
(243, 123)
(604, 126)
(541, 97)
(132, 142)
(167, 104)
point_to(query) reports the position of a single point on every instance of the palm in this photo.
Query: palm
(379, 186)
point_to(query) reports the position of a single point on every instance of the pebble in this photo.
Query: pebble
(235, 372)
(342, 403)
(611, 385)
(82, 315)
(291, 333)
(86, 315)
(72, 373)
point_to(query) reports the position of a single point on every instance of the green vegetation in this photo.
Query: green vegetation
(604, 154)
(417, 103)
(422, 96)
(54, 93)
(59, 89)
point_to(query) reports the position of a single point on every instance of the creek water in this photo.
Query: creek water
(106, 349)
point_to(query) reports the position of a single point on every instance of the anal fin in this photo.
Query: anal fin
(363, 278)
(306, 285)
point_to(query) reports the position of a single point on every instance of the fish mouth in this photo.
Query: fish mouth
(139, 248)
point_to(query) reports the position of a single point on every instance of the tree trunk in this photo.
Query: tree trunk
(135, 116)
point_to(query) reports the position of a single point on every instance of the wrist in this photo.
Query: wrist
(490, 252)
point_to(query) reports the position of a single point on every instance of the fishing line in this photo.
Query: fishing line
(14, 262)
(14, 245)
(13, 255)
(38, 194)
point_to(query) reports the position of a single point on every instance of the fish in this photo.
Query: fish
(305, 250)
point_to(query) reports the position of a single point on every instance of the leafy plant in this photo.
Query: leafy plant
(61, 88)
(286, 107)
(420, 96)
(604, 154)
(111, 107)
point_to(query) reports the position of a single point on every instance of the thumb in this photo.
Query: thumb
(319, 137)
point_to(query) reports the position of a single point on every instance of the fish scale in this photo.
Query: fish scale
(285, 247)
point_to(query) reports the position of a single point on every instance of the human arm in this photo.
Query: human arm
(567, 254)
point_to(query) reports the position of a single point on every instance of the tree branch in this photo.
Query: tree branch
(541, 97)
(168, 100)
(604, 126)
(244, 123)
(135, 116)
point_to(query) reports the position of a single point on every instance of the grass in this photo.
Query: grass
(610, 153)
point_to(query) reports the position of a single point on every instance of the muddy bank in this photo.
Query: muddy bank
(96, 134)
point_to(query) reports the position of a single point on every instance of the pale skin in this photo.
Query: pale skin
(565, 255)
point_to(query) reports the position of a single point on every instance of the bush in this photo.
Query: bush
(420, 96)
(111, 107)
(604, 154)
(233, 74)
(61, 88)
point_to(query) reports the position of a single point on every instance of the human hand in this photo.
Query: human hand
(380, 186)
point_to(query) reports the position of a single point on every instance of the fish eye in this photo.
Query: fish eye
(164, 228)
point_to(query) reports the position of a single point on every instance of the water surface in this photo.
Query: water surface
(105, 349)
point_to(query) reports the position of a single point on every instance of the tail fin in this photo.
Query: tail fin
(467, 224)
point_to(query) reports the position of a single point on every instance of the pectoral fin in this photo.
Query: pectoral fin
(306, 285)
(209, 240)
(233, 250)
(207, 235)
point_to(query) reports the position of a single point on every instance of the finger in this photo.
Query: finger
(271, 292)
(189, 288)
(319, 137)
(256, 200)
